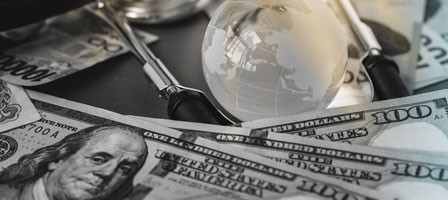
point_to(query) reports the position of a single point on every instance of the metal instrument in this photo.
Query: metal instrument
(184, 103)
(383, 71)
(159, 11)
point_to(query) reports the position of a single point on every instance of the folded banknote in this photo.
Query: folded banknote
(69, 43)
(81, 151)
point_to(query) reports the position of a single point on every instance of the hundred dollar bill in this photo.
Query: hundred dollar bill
(433, 59)
(67, 144)
(433, 62)
(16, 108)
(397, 25)
(356, 88)
(413, 175)
(417, 122)
(70, 43)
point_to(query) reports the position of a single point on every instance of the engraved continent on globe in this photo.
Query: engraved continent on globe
(271, 58)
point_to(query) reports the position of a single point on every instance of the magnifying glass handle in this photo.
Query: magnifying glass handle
(194, 106)
(385, 77)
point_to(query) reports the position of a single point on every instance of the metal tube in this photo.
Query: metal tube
(382, 70)
(363, 32)
(183, 103)
(153, 67)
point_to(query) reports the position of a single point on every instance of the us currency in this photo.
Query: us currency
(433, 61)
(356, 88)
(411, 174)
(70, 43)
(16, 108)
(178, 166)
(416, 122)
(397, 25)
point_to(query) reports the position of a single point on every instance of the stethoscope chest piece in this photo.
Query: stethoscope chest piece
(159, 11)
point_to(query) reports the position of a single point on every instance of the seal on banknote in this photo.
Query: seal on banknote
(8, 111)
(8, 146)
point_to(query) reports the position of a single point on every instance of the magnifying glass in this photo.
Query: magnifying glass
(184, 103)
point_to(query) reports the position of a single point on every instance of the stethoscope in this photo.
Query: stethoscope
(381, 70)
(192, 105)
(187, 104)
(184, 104)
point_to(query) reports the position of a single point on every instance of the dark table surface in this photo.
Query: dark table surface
(120, 85)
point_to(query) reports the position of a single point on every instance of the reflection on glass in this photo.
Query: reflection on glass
(271, 58)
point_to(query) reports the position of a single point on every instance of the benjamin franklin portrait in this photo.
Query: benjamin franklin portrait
(95, 163)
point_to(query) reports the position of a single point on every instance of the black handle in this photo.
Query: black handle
(16, 13)
(194, 106)
(384, 74)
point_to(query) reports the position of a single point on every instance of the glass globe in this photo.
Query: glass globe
(264, 58)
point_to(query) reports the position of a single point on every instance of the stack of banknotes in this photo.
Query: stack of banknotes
(395, 149)
(433, 60)
(51, 148)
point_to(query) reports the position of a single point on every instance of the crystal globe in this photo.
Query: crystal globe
(264, 58)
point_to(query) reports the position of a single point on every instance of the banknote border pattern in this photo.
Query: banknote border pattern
(11, 145)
